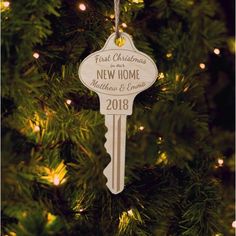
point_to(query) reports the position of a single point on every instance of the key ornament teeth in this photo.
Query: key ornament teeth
(115, 145)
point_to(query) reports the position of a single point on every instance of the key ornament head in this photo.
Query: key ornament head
(118, 71)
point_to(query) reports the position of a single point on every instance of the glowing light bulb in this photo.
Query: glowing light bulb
(161, 76)
(186, 89)
(164, 89)
(130, 212)
(220, 162)
(6, 4)
(81, 210)
(112, 16)
(82, 6)
(169, 55)
(177, 78)
(12, 234)
(51, 218)
(24, 213)
(202, 66)
(36, 55)
(36, 128)
(190, 3)
(68, 101)
(163, 156)
(234, 224)
(124, 25)
(137, 1)
(141, 128)
(56, 180)
(217, 51)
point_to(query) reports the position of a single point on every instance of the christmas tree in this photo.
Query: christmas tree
(179, 160)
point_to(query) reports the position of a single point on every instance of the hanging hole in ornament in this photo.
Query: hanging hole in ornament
(120, 41)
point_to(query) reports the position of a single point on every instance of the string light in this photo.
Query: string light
(130, 212)
(24, 213)
(56, 180)
(159, 140)
(163, 156)
(164, 89)
(124, 25)
(68, 101)
(36, 55)
(202, 66)
(177, 78)
(190, 3)
(50, 218)
(81, 210)
(56, 176)
(12, 234)
(169, 55)
(217, 51)
(186, 89)
(220, 162)
(6, 4)
(141, 128)
(36, 128)
(82, 6)
(234, 224)
(137, 1)
(112, 16)
(161, 76)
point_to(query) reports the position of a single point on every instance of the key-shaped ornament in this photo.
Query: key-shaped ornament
(117, 73)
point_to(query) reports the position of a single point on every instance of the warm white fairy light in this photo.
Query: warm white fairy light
(202, 66)
(36, 55)
(164, 89)
(124, 25)
(51, 218)
(112, 16)
(36, 128)
(141, 128)
(11, 234)
(169, 55)
(68, 101)
(82, 6)
(137, 1)
(186, 89)
(130, 212)
(161, 75)
(220, 162)
(217, 51)
(234, 224)
(6, 4)
(56, 180)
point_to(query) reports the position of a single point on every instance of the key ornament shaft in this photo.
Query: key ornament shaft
(115, 145)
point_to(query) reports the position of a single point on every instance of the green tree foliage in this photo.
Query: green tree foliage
(53, 153)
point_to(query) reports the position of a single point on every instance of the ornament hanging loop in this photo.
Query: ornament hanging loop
(117, 17)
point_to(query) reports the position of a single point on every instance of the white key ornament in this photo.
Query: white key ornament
(117, 74)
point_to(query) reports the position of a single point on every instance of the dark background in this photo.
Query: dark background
(222, 71)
